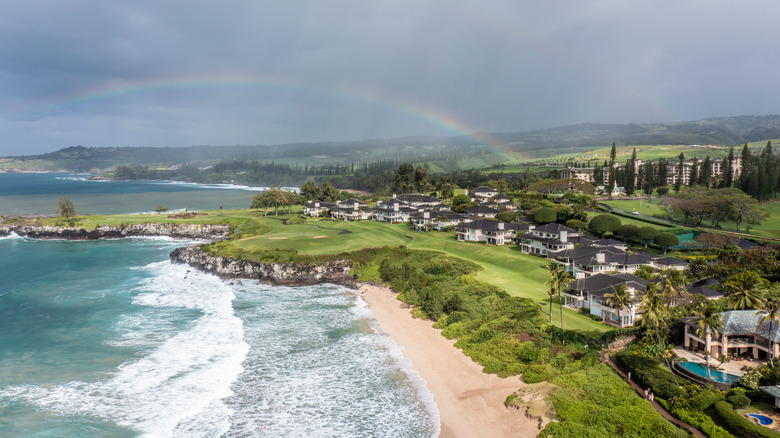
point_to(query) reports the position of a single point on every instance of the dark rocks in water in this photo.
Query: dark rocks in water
(180, 231)
(288, 274)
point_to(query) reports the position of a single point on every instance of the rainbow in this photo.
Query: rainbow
(123, 89)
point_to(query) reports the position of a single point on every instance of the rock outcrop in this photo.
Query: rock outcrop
(179, 231)
(289, 274)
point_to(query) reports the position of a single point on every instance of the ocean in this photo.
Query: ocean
(109, 339)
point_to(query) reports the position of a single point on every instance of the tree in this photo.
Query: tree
(771, 314)
(678, 182)
(728, 171)
(160, 209)
(604, 223)
(404, 177)
(461, 203)
(646, 234)
(666, 241)
(612, 171)
(655, 311)
(708, 322)
(673, 287)
(259, 201)
(742, 207)
(744, 290)
(506, 216)
(65, 208)
(446, 188)
(705, 174)
(422, 181)
(310, 191)
(626, 231)
(545, 215)
(552, 270)
(563, 279)
(697, 266)
(329, 193)
(630, 178)
(619, 300)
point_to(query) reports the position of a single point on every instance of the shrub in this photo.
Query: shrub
(666, 240)
(545, 215)
(739, 400)
(739, 425)
(576, 224)
(627, 230)
(604, 223)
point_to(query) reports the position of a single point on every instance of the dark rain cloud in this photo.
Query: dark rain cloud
(73, 72)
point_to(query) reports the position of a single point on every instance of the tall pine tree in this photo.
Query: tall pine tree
(705, 172)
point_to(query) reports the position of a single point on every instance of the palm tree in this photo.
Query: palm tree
(771, 315)
(744, 290)
(563, 279)
(709, 322)
(552, 269)
(673, 287)
(655, 312)
(619, 300)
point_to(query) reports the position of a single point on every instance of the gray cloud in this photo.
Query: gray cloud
(257, 72)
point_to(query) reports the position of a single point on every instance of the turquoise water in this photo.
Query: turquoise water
(109, 339)
(715, 375)
(25, 193)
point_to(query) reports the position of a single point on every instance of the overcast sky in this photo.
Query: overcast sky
(172, 73)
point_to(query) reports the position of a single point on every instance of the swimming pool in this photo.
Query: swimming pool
(717, 376)
(761, 419)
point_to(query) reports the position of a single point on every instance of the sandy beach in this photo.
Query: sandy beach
(470, 402)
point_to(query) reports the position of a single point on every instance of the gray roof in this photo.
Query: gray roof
(601, 284)
(486, 225)
(555, 229)
(774, 391)
(416, 198)
(481, 210)
(671, 261)
(744, 322)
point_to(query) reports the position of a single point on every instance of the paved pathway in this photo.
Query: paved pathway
(696, 432)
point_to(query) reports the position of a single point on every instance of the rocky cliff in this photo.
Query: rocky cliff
(291, 274)
(179, 231)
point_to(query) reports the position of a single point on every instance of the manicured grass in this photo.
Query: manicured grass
(506, 267)
(647, 207)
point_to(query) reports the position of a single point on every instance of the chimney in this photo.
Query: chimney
(564, 236)
(355, 206)
(316, 204)
(500, 225)
(466, 192)
(396, 206)
(393, 195)
(426, 215)
(600, 257)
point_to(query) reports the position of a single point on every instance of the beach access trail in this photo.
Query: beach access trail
(470, 402)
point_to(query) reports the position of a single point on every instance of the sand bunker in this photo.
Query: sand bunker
(277, 238)
(318, 237)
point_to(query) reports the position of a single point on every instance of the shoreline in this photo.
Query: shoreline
(470, 402)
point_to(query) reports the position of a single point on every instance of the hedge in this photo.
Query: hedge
(647, 373)
(739, 425)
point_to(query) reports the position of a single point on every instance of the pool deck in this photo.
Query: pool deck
(736, 367)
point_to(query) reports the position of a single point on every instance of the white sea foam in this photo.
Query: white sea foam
(176, 388)
(316, 368)
(11, 236)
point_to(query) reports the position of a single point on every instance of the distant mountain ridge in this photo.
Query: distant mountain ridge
(718, 131)
(490, 146)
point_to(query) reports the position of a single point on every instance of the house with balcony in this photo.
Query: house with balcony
(584, 261)
(351, 210)
(489, 231)
(315, 208)
(481, 193)
(590, 293)
(419, 200)
(437, 219)
(393, 211)
(743, 334)
(547, 240)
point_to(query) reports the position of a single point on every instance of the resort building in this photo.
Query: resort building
(481, 193)
(315, 208)
(394, 211)
(743, 334)
(482, 211)
(351, 210)
(584, 261)
(547, 240)
(437, 220)
(489, 231)
(589, 292)
(419, 200)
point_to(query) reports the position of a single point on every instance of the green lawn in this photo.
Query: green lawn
(506, 267)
